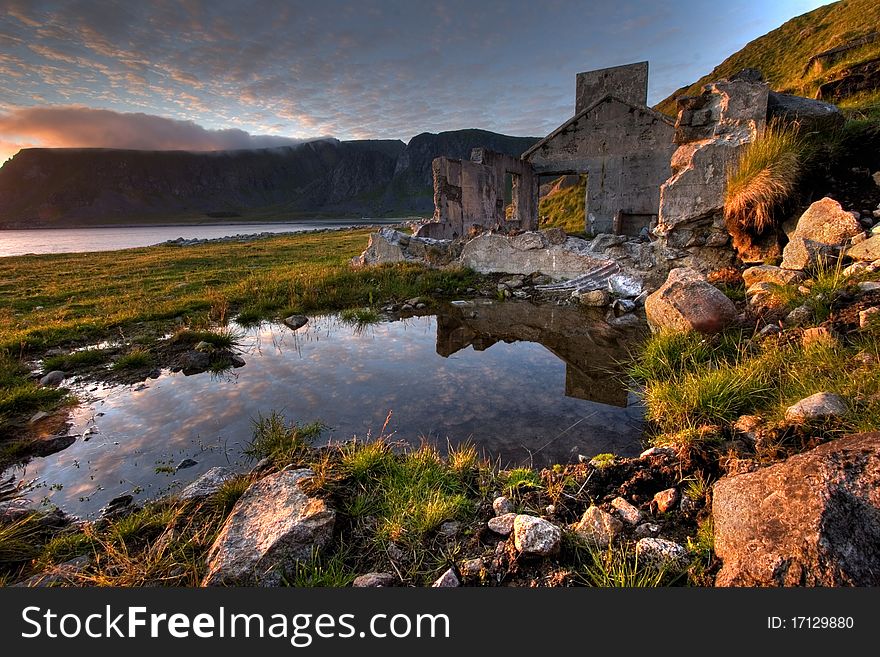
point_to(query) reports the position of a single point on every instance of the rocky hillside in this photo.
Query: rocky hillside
(69, 187)
(831, 53)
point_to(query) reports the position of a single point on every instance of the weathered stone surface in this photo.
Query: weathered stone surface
(295, 322)
(624, 286)
(389, 245)
(660, 552)
(502, 524)
(207, 484)
(818, 335)
(869, 316)
(491, 252)
(869, 286)
(592, 298)
(764, 296)
(555, 236)
(799, 316)
(534, 536)
(812, 520)
(374, 580)
(472, 568)
(53, 378)
(686, 302)
(820, 406)
(447, 580)
(821, 232)
(527, 241)
(665, 500)
(598, 527)
(646, 530)
(272, 526)
(771, 274)
(627, 511)
(502, 505)
(812, 115)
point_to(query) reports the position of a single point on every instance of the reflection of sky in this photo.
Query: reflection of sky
(509, 400)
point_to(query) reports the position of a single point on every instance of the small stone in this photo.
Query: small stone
(295, 322)
(799, 316)
(627, 511)
(665, 500)
(236, 361)
(447, 580)
(818, 335)
(856, 268)
(770, 329)
(869, 286)
(373, 580)
(186, 463)
(207, 484)
(502, 505)
(593, 298)
(598, 527)
(502, 524)
(449, 528)
(645, 530)
(820, 406)
(868, 316)
(421, 306)
(659, 552)
(472, 568)
(36, 417)
(622, 306)
(53, 378)
(625, 287)
(657, 451)
(513, 282)
(535, 536)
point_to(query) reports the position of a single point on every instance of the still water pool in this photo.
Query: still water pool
(526, 384)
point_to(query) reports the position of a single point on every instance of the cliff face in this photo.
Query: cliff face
(69, 187)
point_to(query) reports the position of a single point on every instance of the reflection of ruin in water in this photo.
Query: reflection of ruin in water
(591, 349)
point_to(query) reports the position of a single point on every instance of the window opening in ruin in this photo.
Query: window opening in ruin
(511, 190)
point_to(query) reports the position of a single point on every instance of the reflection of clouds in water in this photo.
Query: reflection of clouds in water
(508, 399)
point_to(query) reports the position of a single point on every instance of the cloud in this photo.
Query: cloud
(74, 126)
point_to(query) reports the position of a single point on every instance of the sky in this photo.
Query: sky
(222, 74)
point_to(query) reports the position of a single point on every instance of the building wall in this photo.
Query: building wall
(625, 152)
(629, 83)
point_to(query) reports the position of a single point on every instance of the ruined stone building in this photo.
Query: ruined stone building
(622, 145)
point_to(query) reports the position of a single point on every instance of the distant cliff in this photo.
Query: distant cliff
(42, 187)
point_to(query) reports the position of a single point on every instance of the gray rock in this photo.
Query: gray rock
(207, 484)
(869, 286)
(502, 505)
(186, 463)
(374, 580)
(822, 405)
(447, 580)
(770, 329)
(821, 231)
(472, 568)
(812, 115)
(295, 322)
(624, 286)
(686, 302)
(272, 526)
(811, 520)
(660, 553)
(592, 298)
(449, 528)
(622, 306)
(598, 527)
(53, 378)
(799, 316)
(502, 524)
(605, 241)
(389, 245)
(535, 536)
(646, 530)
(195, 362)
(528, 241)
(627, 511)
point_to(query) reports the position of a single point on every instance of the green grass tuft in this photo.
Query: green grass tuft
(134, 359)
(274, 438)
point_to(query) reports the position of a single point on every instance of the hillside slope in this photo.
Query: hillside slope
(832, 52)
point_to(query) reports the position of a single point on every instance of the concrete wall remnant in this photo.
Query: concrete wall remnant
(469, 195)
(629, 83)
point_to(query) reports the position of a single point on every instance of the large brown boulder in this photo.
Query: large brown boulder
(821, 232)
(687, 302)
(812, 520)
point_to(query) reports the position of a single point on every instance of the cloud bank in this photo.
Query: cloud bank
(83, 127)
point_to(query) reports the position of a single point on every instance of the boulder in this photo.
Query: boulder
(53, 378)
(812, 520)
(272, 526)
(812, 115)
(534, 536)
(821, 406)
(821, 232)
(491, 252)
(295, 322)
(373, 580)
(598, 527)
(773, 275)
(661, 553)
(687, 302)
(389, 245)
(207, 484)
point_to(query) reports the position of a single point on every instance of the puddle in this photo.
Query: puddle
(526, 384)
